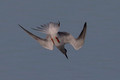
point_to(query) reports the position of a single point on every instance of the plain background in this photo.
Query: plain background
(22, 58)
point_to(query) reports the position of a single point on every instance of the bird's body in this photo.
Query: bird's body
(56, 38)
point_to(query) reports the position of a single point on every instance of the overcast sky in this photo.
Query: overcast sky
(22, 58)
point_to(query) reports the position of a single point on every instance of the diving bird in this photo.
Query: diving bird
(56, 38)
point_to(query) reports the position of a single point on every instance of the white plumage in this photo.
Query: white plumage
(59, 39)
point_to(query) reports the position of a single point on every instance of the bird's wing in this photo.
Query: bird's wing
(77, 43)
(48, 28)
(46, 43)
(81, 37)
(63, 50)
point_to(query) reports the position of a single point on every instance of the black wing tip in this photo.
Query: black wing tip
(23, 28)
(20, 26)
(85, 24)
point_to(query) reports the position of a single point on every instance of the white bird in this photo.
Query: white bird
(59, 39)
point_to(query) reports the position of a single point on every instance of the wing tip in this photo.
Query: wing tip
(85, 24)
(21, 26)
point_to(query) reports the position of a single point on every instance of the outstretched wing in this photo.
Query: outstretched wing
(77, 43)
(48, 28)
(46, 43)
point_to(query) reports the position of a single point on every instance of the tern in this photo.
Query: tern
(56, 38)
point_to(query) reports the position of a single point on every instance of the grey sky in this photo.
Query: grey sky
(22, 58)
